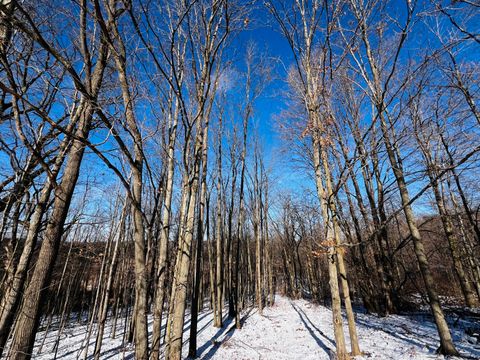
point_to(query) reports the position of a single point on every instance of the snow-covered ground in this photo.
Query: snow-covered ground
(288, 330)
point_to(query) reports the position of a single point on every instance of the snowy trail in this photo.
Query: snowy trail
(288, 330)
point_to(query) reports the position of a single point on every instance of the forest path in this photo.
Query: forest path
(291, 329)
(298, 329)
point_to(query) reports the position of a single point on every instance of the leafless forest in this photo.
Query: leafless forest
(139, 179)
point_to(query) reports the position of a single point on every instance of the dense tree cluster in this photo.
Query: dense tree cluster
(134, 179)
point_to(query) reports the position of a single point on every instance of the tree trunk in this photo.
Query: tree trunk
(447, 347)
(341, 263)
(218, 321)
(332, 260)
(467, 291)
(106, 296)
(29, 314)
(164, 236)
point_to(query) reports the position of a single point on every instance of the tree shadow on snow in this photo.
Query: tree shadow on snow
(188, 323)
(227, 329)
(401, 333)
(421, 332)
(311, 327)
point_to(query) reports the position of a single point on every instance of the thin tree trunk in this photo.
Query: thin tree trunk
(192, 351)
(467, 291)
(182, 267)
(141, 308)
(179, 291)
(219, 240)
(332, 260)
(341, 263)
(469, 246)
(108, 288)
(164, 236)
(257, 231)
(447, 346)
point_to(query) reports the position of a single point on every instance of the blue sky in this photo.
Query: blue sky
(265, 34)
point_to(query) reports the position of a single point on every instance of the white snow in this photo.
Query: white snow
(291, 329)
